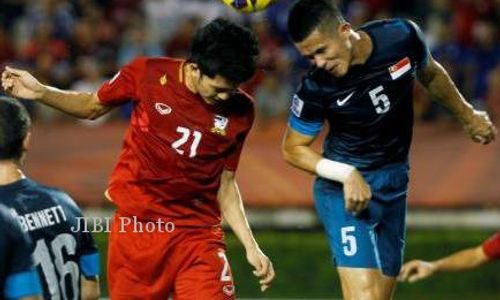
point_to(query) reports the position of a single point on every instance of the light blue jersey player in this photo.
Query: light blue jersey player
(361, 85)
(67, 260)
(18, 277)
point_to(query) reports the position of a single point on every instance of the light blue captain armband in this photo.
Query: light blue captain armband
(304, 127)
(90, 265)
(22, 284)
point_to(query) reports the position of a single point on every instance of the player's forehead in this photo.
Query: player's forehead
(221, 83)
(314, 42)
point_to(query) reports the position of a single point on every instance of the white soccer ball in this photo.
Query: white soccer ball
(248, 6)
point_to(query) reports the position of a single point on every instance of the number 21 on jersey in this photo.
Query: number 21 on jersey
(185, 137)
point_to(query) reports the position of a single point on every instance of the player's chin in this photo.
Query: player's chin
(338, 70)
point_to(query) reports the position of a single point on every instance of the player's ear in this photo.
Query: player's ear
(344, 29)
(195, 71)
(27, 142)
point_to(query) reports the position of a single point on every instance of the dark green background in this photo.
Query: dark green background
(302, 263)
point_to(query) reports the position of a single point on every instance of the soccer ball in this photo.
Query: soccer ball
(248, 6)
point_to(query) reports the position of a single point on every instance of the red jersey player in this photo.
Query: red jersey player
(177, 165)
(470, 258)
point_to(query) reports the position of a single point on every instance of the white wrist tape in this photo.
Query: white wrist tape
(333, 170)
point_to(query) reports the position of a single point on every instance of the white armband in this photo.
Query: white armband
(333, 170)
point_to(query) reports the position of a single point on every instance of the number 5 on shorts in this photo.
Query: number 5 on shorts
(349, 240)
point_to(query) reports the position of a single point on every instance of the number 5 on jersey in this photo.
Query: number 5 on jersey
(185, 135)
(380, 100)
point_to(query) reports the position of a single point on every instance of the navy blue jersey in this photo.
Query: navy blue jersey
(18, 277)
(50, 217)
(369, 110)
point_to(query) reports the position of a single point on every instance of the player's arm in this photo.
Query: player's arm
(90, 288)
(297, 151)
(467, 259)
(439, 84)
(232, 209)
(22, 84)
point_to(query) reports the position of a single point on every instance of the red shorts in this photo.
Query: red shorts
(187, 263)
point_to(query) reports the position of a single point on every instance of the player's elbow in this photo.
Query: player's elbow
(95, 110)
(288, 153)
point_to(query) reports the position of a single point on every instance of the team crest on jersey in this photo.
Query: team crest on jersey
(163, 79)
(297, 106)
(220, 125)
(400, 68)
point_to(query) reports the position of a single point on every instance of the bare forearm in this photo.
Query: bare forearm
(462, 260)
(90, 289)
(234, 213)
(440, 85)
(78, 104)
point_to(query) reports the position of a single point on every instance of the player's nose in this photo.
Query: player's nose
(223, 96)
(319, 62)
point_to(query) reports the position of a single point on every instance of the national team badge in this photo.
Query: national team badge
(163, 79)
(400, 68)
(220, 125)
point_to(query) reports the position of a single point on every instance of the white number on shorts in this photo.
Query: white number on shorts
(349, 240)
(186, 132)
(224, 276)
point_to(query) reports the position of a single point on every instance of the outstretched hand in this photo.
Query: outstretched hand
(21, 84)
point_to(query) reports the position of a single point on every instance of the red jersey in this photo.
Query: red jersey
(492, 246)
(176, 146)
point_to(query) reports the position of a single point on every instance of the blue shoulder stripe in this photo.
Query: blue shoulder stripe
(90, 265)
(23, 284)
(304, 127)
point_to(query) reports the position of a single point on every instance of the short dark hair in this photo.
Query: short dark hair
(15, 123)
(224, 48)
(307, 15)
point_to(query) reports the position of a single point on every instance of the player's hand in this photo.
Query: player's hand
(479, 127)
(21, 84)
(263, 267)
(416, 270)
(357, 192)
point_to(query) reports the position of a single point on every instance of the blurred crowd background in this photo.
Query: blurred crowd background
(77, 44)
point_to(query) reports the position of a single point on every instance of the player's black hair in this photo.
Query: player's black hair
(307, 15)
(15, 123)
(224, 48)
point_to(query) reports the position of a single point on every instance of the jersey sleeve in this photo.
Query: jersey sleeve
(492, 246)
(123, 86)
(306, 111)
(22, 278)
(89, 260)
(419, 50)
(233, 159)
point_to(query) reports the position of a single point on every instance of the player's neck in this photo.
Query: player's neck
(10, 172)
(362, 47)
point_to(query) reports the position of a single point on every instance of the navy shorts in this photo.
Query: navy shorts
(375, 237)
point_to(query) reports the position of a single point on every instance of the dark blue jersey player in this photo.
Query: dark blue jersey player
(18, 277)
(361, 85)
(67, 261)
